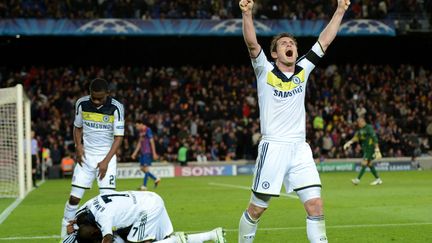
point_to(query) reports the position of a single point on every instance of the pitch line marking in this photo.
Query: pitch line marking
(31, 237)
(341, 226)
(259, 229)
(15, 204)
(283, 194)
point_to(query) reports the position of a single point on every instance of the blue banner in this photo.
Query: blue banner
(245, 169)
(184, 27)
(204, 170)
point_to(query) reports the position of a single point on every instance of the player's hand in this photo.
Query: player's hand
(344, 4)
(70, 227)
(133, 156)
(79, 154)
(108, 238)
(155, 156)
(103, 167)
(377, 154)
(246, 5)
(347, 145)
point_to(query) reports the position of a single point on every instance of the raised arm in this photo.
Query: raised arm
(249, 34)
(329, 33)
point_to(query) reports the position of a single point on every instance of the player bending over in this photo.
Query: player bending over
(130, 216)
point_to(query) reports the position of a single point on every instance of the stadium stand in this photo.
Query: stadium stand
(204, 9)
(214, 108)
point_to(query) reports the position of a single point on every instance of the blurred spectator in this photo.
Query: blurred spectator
(415, 24)
(36, 161)
(201, 9)
(318, 121)
(182, 156)
(214, 109)
(67, 165)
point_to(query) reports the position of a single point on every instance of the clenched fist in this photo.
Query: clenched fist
(246, 5)
(344, 4)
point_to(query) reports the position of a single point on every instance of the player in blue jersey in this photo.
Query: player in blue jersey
(146, 148)
(284, 156)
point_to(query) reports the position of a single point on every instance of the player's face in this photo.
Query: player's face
(89, 233)
(140, 126)
(98, 98)
(361, 123)
(286, 51)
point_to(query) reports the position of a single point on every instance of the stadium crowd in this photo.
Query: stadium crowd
(203, 9)
(213, 111)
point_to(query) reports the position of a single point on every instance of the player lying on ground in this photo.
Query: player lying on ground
(130, 216)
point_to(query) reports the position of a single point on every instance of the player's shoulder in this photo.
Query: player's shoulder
(116, 102)
(260, 60)
(370, 127)
(83, 99)
(312, 57)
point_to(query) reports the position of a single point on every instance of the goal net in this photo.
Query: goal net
(15, 140)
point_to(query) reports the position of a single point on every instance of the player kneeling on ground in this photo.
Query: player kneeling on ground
(129, 216)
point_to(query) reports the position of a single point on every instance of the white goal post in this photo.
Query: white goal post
(15, 142)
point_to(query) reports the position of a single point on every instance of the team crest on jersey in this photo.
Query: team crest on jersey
(296, 80)
(106, 118)
(286, 85)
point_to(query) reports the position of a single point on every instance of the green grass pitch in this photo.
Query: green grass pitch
(400, 210)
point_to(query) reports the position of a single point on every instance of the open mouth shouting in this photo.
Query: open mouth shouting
(289, 53)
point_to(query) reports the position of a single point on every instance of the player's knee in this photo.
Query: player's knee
(74, 200)
(258, 204)
(314, 207)
(311, 199)
(255, 212)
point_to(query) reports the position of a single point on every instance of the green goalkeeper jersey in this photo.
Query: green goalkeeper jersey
(367, 139)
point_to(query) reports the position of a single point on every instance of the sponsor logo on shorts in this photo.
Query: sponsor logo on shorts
(265, 185)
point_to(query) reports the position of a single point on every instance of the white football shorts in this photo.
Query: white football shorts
(84, 175)
(153, 224)
(289, 163)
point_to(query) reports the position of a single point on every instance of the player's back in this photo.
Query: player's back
(121, 209)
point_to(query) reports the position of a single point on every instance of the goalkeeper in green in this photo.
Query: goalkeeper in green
(368, 140)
